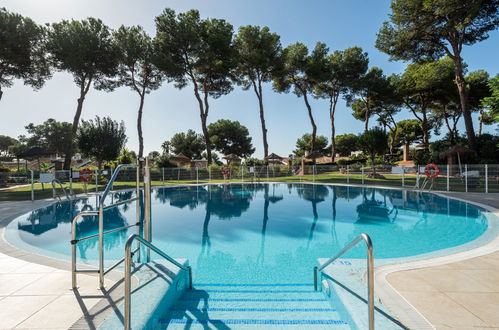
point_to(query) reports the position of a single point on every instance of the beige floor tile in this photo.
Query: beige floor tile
(488, 278)
(10, 265)
(483, 305)
(441, 310)
(474, 263)
(451, 281)
(31, 268)
(63, 312)
(10, 283)
(492, 259)
(14, 310)
(48, 284)
(409, 281)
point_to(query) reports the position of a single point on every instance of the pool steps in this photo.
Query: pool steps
(262, 305)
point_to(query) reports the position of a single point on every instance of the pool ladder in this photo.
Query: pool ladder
(54, 190)
(370, 272)
(100, 213)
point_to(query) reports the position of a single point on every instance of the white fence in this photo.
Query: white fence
(466, 178)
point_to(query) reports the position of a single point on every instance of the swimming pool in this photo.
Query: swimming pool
(263, 237)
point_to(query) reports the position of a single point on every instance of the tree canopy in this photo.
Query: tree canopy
(51, 134)
(136, 69)
(22, 51)
(301, 72)
(101, 139)
(5, 143)
(259, 59)
(197, 51)
(86, 50)
(303, 144)
(344, 69)
(346, 144)
(374, 142)
(230, 137)
(430, 29)
(189, 144)
(491, 103)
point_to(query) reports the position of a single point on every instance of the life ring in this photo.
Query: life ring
(431, 171)
(86, 175)
(225, 170)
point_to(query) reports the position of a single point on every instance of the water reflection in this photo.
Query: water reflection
(249, 225)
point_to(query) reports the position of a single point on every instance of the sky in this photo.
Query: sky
(338, 23)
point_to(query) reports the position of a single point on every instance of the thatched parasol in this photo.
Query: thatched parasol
(232, 158)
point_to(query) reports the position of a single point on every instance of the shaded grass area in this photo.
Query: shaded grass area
(389, 180)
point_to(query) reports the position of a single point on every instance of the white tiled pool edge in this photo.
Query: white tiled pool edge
(397, 304)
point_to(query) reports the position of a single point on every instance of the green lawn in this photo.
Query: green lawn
(392, 180)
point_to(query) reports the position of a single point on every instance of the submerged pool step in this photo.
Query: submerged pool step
(292, 305)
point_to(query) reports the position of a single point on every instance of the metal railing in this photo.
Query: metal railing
(54, 189)
(100, 213)
(128, 270)
(370, 271)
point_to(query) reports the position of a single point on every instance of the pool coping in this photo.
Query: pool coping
(389, 296)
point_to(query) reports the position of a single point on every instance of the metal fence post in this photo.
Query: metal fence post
(242, 173)
(32, 185)
(197, 175)
(466, 177)
(71, 181)
(96, 181)
(403, 176)
(209, 173)
(267, 173)
(163, 174)
(348, 174)
(448, 171)
(313, 173)
(362, 170)
(486, 179)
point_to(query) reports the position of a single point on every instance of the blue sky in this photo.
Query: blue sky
(338, 23)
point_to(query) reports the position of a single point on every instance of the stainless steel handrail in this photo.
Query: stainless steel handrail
(62, 188)
(100, 213)
(74, 269)
(128, 271)
(113, 178)
(370, 271)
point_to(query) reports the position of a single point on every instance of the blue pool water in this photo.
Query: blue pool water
(244, 240)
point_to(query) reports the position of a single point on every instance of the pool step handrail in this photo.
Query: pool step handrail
(100, 213)
(370, 271)
(128, 270)
(54, 189)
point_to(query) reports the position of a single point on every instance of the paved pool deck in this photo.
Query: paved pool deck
(35, 291)
(463, 294)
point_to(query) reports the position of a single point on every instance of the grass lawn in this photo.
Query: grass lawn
(393, 180)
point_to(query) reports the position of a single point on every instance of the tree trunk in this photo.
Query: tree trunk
(203, 113)
(74, 129)
(206, 137)
(1, 93)
(463, 97)
(451, 132)
(424, 127)
(367, 115)
(310, 115)
(139, 126)
(332, 108)
(480, 127)
(258, 92)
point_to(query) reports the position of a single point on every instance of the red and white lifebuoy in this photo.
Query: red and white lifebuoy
(225, 170)
(431, 171)
(86, 175)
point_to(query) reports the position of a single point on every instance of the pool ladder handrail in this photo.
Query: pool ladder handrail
(100, 212)
(128, 270)
(370, 271)
(54, 189)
